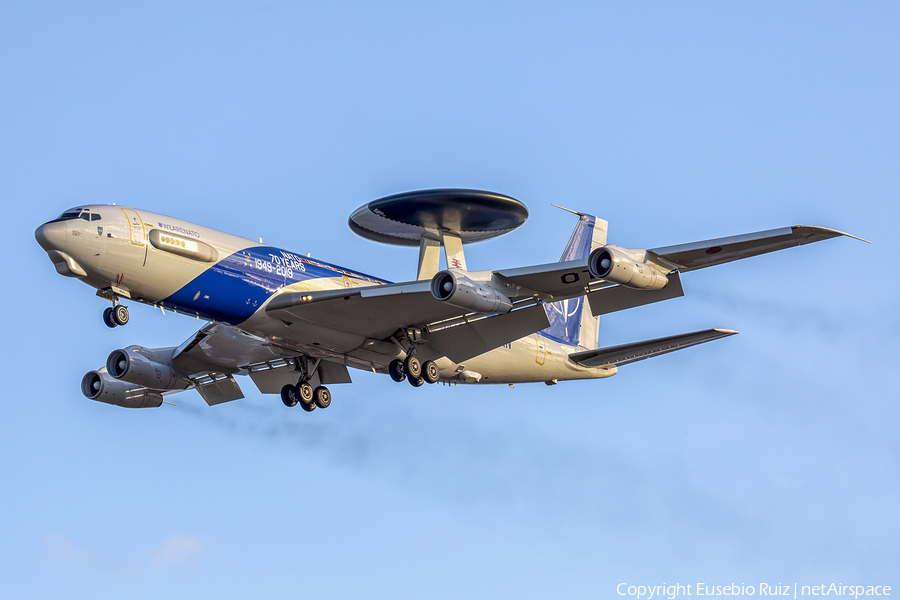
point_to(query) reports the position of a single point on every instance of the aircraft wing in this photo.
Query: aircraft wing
(374, 311)
(377, 311)
(211, 357)
(552, 281)
(629, 353)
(708, 253)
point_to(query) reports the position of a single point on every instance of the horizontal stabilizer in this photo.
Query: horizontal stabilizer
(629, 353)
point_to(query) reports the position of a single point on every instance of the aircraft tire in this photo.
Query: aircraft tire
(416, 381)
(395, 369)
(308, 406)
(322, 397)
(430, 371)
(288, 396)
(304, 392)
(108, 317)
(120, 314)
(412, 367)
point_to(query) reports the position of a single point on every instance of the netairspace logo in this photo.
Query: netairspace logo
(648, 592)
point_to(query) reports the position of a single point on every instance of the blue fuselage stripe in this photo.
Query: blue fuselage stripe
(238, 285)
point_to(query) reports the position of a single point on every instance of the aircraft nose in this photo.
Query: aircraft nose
(51, 236)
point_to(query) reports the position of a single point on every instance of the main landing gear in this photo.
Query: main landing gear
(303, 393)
(307, 397)
(417, 372)
(115, 315)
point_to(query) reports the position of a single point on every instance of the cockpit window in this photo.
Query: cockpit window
(77, 213)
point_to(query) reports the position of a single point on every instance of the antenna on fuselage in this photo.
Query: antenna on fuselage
(574, 212)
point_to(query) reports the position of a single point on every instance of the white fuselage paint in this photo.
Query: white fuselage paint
(120, 256)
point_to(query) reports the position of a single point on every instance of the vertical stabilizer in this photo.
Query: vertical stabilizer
(571, 321)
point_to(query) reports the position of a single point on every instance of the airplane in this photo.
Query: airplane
(295, 324)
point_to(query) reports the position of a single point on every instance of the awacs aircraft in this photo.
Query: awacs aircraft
(295, 324)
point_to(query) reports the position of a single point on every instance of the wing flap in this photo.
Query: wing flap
(614, 299)
(219, 391)
(462, 342)
(629, 353)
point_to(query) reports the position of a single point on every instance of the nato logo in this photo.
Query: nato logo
(99, 230)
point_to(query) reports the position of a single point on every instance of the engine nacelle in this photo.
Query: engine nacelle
(99, 386)
(612, 264)
(135, 366)
(452, 287)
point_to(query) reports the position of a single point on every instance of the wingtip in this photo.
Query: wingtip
(726, 331)
(833, 231)
(852, 236)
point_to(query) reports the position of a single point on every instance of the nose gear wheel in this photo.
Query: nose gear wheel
(108, 317)
(120, 314)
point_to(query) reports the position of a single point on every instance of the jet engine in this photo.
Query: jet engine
(454, 288)
(613, 264)
(99, 386)
(136, 364)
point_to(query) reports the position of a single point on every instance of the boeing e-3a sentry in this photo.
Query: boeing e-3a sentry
(294, 324)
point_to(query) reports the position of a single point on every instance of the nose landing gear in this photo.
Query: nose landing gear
(115, 315)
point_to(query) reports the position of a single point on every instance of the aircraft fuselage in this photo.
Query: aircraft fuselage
(204, 273)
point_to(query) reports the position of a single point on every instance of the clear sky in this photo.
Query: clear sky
(771, 456)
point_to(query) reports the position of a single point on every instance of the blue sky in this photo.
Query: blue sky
(766, 457)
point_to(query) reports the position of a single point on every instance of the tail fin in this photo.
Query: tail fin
(571, 321)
